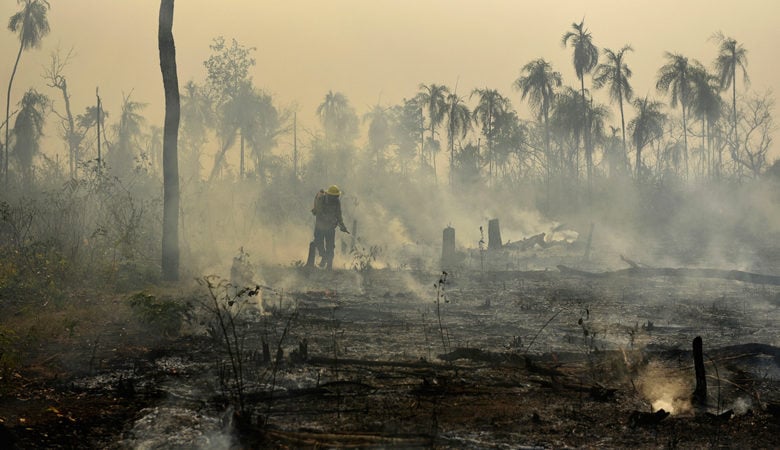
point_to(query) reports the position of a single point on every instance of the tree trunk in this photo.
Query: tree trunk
(170, 239)
(8, 114)
(448, 247)
(494, 235)
(700, 394)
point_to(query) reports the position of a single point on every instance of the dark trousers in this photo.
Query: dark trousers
(325, 243)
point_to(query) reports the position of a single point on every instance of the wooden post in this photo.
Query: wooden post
(700, 394)
(494, 235)
(448, 247)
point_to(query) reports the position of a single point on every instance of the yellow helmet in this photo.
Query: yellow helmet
(333, 190)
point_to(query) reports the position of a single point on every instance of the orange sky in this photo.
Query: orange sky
(377, 50)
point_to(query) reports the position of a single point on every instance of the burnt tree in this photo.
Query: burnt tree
(494, 235)
(170, 238)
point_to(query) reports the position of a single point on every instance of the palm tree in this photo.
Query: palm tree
(170, 235)
(337, 117)
(197, 117)
(645, 127)
(615, 74)
(585, 58)
(731, 56)
(31, 25)
(567, 126)
(434, 101)
(706, 104)
(675, 78)
(538, 83)
(123, 155)
(379, 131)
(408, 130)
(491, 106)
(28, 130)
(458, 124)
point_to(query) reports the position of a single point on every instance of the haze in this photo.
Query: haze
(379, 51)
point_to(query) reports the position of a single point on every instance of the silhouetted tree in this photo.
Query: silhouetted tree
(615, 74)
(731, 56)
(491, 105)
(675, 78)
(379, 132)
(408, 132)
(706, 105)
(433, 98)
(585, 58)
(197, 115)
(645, 127)
(73, 137)
(338, 118)
(170, 235)
(567, 126)
(756, 127)
(28, 130)
(31, 25)
(122, 156)
(340, 122)
(227, 80)
(458, 124)
(538, 82)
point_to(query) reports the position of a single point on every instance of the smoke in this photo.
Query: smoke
(664, 389)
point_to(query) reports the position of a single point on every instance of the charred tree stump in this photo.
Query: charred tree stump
(494, 235)
(266, 352)
(700, 394)
(448, 247)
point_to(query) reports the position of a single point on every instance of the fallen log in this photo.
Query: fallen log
(736, 275)
(527, 243)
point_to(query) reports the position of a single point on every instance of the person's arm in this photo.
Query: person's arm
(340, 219)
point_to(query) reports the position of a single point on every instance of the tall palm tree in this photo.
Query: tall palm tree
(731, 56)
(434, 102)
(491, 106)
(675, 78)
(170, 231)
(647, 125)
(584, 58)
(458, 124)
(337, 117)
(28, 130)
(538, 83)
(615, 74)
(31, 25)
(706, 104)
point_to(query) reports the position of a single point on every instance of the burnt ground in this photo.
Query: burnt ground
(398, 359)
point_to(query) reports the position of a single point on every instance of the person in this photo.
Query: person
(327, 213)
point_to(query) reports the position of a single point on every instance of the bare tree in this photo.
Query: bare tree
(56, 79)
(170, 239)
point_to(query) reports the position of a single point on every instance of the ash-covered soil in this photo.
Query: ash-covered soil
(414, 359)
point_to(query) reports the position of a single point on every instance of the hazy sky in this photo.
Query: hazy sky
(377, 50)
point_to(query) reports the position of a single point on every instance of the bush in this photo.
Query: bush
(164, 314)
